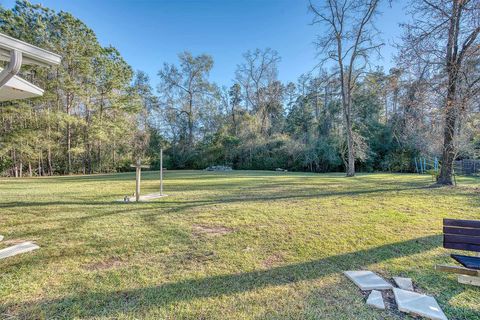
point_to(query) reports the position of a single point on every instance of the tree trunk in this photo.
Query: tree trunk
(190, 131)
(451, 115)
(113, 155)
(114, 160)
(69, 136)
(347, 112)
(350, 143)
(346, 103)
(90, 161)
(40, 164)
(234, 122)
(49, 161)
(99, 157)
(448, 154)
(69, 146)
(263, 127)
(99, 151)
(49, 153)
(15, 167)
(386, 108)
(190, 121)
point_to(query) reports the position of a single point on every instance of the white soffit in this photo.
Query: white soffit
(16, 53)
(18, 88)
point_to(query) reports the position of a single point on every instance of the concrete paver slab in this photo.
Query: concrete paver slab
(367, 280)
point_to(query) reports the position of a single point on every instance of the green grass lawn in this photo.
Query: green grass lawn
(237, 245)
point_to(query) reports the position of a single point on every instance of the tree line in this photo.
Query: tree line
(346, 115)
(85, 120)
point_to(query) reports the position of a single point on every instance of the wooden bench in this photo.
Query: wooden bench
(463, 235)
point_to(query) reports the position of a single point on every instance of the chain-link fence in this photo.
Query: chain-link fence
(467, 167)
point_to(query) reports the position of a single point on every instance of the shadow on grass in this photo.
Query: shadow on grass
(246, 197)
(165, 206)
(95, 304)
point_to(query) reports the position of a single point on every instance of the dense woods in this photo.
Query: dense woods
(98, 115)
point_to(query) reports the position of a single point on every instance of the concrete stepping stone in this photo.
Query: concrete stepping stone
(143, 198)
(151, 196)
(17, 249)
(418, 304)
(404, 283)
(367, 280)
(375, 299)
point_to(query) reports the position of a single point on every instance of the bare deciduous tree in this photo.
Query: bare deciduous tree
(443, 35)
(257, 76)
(186, 86)
(348, 38)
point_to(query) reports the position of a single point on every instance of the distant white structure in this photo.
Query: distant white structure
(17, 52)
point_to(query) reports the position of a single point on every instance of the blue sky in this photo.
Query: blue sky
(148, 33)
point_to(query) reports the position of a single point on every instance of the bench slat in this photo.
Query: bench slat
(458, 270)
(462, 223)
(462, 246)
(461, 239)
(462, 231)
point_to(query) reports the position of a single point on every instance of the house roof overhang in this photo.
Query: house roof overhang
(31, 54)
(17, 52)
(18, 88)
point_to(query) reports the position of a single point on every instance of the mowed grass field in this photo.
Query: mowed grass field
(235, 245)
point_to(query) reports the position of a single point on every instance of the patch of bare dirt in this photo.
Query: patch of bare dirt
(199, 257)
(211, 230)
(468, 188)
(110, 263)
(273, 260)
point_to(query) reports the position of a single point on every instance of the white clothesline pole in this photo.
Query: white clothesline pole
(161, 171)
